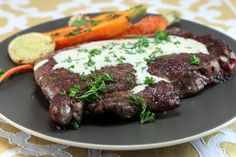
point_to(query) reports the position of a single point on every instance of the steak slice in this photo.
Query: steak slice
(185, 79)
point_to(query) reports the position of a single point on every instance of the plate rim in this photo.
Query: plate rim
(117, 147)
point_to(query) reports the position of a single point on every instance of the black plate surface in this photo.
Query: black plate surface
(23, 105)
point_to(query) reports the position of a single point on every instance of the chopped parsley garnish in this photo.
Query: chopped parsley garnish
(132, 99)
(161, 36)
(149, 80)
(92, 94)
(153, 55)
(123, 46)
(71, 67)
(1, 71)
(95, 52)
(195, 60)
(111, 87)
(146, 116)
(142, 42)
(83, 76)
(96, 86)
(73, 33)
(74, 90)
(150, 58)
(120, 59)
(107, 77)
(104, 47)
(128, 80)
(68, 60)
(88, 30)
(107, 59)
(82, 50)
(80, 22)
(177, 42)
(74, 125)
(90, 62)
(95, 22)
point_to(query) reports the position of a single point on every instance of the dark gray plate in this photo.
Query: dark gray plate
(23, 105)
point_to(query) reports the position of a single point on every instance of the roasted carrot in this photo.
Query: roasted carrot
(151, 24)
(109, 25)
(14, 70)
(100, 32)
(147, 25)
(61, 31)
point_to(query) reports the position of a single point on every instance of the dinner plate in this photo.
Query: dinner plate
(23, 105)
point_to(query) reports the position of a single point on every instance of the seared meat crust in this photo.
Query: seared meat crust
(185, 79)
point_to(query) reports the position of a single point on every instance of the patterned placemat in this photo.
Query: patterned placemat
(17, 15)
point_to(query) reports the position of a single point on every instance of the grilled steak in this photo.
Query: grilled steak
(185, 79)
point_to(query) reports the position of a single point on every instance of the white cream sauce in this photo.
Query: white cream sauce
(114, 52)
(39, 64)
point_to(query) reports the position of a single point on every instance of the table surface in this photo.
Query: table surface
(17, 15)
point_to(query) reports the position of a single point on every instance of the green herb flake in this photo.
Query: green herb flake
(74, 125)
(149, 59)
(107, 59)
(1, 71)
(80, 22)
(82, 50)
(95, 22)
(102, 86)
(132, 99)
(161, 36)
(74, 90)
(195, 60)
(146, 116)
(143, 68)
(153, 55)
(111, 87)
(149, 80)
(73, 33)
(104, 47)
(142, 42)
(68, 60)
(90, 62)
(95, 52)
(88, 30)
(107, 77)
(96, 86)
(128, 80)
(71, 67)
(83, 76)
(93, 93)
(123, 46)
(120, 59)
(90, 96)
(177, 42)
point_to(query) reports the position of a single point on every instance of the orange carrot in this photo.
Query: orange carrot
(61, 31)
(147, 25)
(108, 25)
(151, 24)
(68, 29)
(105, 30)
(14, 70)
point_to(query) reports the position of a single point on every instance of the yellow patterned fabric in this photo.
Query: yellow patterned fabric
(16, 15)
